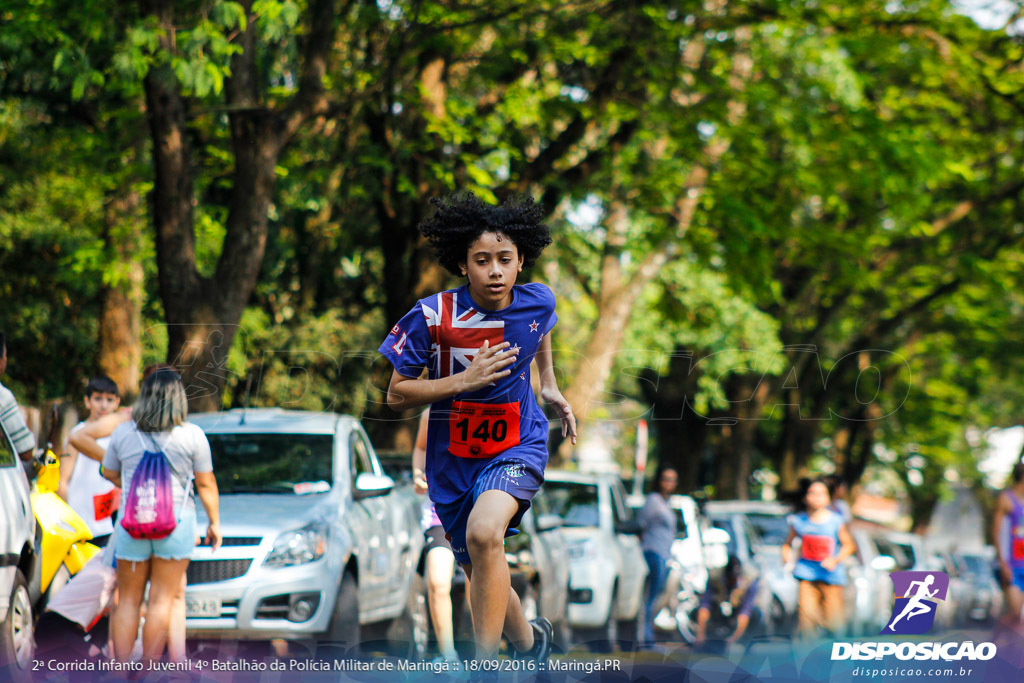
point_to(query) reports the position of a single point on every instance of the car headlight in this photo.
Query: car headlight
(586, 550)
(299, 546)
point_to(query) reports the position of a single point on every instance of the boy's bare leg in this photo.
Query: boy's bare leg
(494, 604)
(513, 615)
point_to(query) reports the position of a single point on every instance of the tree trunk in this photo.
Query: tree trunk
(119, 352)
(202, 313)
(679, 433)
(614, 310)
(748, 395)
(119, 355)
(797, 443)
(618, 294)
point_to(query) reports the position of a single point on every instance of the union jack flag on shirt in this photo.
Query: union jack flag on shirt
(456, 337)
(444, 331)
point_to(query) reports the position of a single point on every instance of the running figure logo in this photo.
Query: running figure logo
(917, 594)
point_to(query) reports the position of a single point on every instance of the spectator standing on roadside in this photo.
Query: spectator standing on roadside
(21, 436)
(658, 532)
(159, 421)
(87, 491)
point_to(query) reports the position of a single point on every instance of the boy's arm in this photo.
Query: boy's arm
(87, 445)
(419, 455)
(84, 440)
(549, 392)
(67, 466)
(488, 364)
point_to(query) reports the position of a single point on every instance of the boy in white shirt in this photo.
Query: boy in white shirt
(92, 496)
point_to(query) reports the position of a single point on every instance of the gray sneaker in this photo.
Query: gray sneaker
(543, 636)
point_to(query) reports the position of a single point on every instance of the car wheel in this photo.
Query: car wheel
(609, 640)
(344, 628)
(776, 623)
(563, 633)
(686, 616)
(627, 629)
(604, 638)
(626, 632)
(530, 602)
(59, 580)
(16, 636)
(409, 634)
(601, 640)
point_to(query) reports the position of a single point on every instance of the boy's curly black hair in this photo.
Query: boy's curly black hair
(459, 219)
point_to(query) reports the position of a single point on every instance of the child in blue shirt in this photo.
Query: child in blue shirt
(824, 544)
(487, 437)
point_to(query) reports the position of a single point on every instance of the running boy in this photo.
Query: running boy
(81, 484)
(487, 437)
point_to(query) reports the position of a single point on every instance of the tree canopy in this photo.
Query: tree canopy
(790, 234)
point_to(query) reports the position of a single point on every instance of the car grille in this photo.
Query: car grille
(210, 571)
(236, 541)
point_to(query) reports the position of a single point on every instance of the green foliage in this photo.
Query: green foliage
(51, 259)
(875, 160)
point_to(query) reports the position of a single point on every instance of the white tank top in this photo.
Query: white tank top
(87, 486)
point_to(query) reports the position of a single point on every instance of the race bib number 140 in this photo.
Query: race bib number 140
(482, 430)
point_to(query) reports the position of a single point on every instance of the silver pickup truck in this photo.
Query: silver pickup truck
(318, 541)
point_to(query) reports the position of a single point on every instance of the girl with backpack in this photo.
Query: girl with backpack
(160, 457)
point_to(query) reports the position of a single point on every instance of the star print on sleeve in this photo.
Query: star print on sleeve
(533, 326)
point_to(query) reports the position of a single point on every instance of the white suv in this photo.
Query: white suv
(17, 559)
(607, 570)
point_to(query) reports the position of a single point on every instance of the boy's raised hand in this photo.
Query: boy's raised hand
(489, 364)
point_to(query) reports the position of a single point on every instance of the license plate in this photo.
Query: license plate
(202, 607)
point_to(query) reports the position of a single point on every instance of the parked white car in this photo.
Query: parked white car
(17, 564)
(318, 541)
(869, 591)
(607, 571)
(539, 568)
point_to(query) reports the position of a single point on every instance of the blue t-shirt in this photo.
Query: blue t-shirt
(442, 333)
(818, 540)
(1015, 558)
(747, 603)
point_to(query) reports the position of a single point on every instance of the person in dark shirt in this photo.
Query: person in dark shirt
(728, 607)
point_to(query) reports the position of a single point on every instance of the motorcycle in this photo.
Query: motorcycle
(684, 601)
(62, 535)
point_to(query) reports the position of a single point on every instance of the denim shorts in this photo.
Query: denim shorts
(177, 546)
